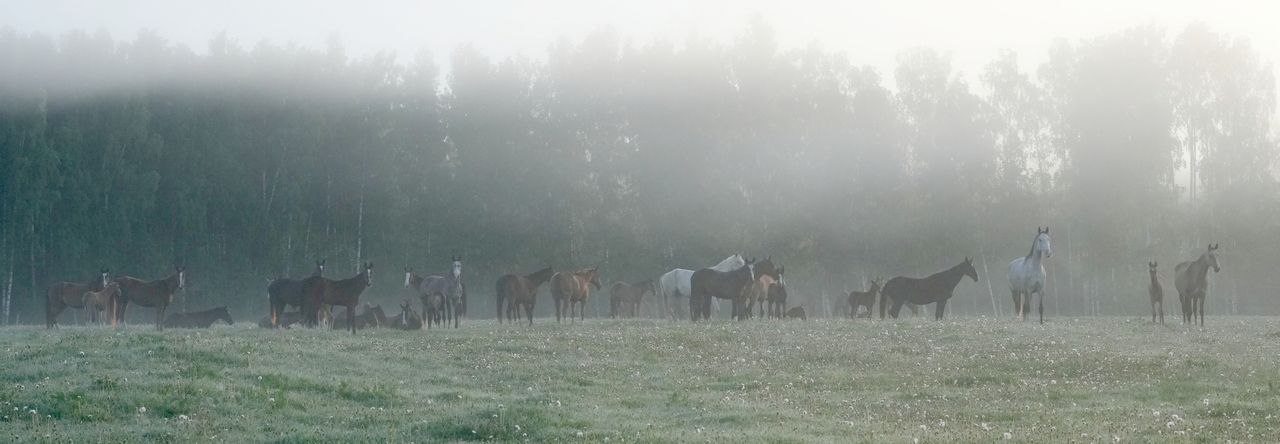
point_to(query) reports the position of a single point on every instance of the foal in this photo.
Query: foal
(569, 289)
(859, 299)
(95, 302)
(1156, 292)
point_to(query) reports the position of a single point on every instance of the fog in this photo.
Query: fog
(599, 135)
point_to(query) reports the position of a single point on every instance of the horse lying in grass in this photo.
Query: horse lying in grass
(198, 319)
(370, 316)
(283, 320)
(407, 319)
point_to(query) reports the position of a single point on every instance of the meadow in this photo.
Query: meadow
(961, 380)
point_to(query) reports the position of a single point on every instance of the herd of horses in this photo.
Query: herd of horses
(745, 283)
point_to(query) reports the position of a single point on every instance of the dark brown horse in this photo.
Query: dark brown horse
(858, 299)
(625, 299)
(778, 296)
(708, 283)
(69, 294)
(1156, 292)
(758, 293)
(571, 288)
(284, 292)
(95, 302)
(370, 316)
(797, 312)
(157, 293)
(521, 291)
(198, 319)
(320, 291)
(407, 319)
(937, 288)
(1192, 281)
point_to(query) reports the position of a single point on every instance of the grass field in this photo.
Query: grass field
(966, 379)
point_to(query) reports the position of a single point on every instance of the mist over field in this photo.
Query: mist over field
(234, 172)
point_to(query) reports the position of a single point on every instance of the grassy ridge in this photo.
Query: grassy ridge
(964, 379)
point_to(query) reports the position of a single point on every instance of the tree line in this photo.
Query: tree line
(248, 162)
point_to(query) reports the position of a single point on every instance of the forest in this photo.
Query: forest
(246, 161)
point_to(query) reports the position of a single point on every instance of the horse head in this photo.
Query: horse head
(182, 276)
(1151, 267)
(593, 275)
(967, 267)
(457, 267)
(408, 275)
(876, 285)
(1212, 257)
(319, 271)
(1041, 243)
(225, 315)
(103, 274)
(368, 274)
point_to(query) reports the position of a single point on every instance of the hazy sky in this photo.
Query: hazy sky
(870, 32)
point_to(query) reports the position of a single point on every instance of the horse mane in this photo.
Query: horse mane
(540, 276)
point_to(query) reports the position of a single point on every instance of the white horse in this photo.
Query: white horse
(1027, 276)
(677, 282)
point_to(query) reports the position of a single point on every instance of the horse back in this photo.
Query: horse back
(67, 293)
(1183, 281)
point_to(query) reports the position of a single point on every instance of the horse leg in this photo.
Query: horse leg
(1161, 312)
(351, 318)
(939, 310)
(528, 311)
(893, 311)
(1200, 304)
(1040, 306)
(499, 306)
(160, 315)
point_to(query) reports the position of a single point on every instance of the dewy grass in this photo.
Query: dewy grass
(966, 379)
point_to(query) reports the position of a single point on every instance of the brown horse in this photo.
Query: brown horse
(797, 312)
(1156, 292)
(320, 291)
(69, 294)
(370, 316)
(1192, 282)
(937, 288)
(707, 283)
(859, 299)
(407, 319)
(157, 293)
(777, 296)
(284, 292)
(198, 319)
(758, 293)
(520, 290)
(570, 288)
(95, 302)
(625, 299)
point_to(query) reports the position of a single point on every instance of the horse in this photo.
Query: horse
(95, 302)
(319, 291)
(157, 293)
(571, 288)
(625, 298)
(285, 319)
(199, 319)
(1192, 281)
(284, 292)
(442, 296)
(797, 312)
(1156, 292)
(777, 296)
(61, 295)
(407, 319)
(707, 283)
(758, 293)
(937, 288)
(370, 316)
(859, 299)
(1026, 275)
(520, 290)
(676, 283)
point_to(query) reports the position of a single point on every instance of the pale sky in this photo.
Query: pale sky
(869, 32)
